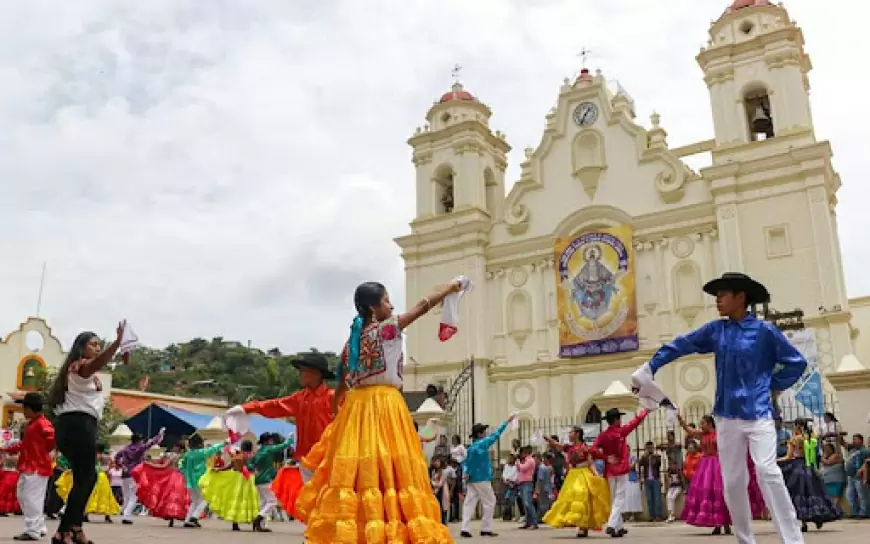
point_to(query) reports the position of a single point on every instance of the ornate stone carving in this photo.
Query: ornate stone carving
(694, 376)
(523, 395)
(517, 219)
(683, 247)
(518, 276)
(669, 183)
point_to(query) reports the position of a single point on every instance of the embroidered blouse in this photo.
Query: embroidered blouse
(381, 356)
(577, 454)
(709, 446)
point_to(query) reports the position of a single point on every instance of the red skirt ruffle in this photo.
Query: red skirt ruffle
(162, 491)
(286, 487)
(9, 492)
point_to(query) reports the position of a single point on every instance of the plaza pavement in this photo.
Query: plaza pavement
(217, 532)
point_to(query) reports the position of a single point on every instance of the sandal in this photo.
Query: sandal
(78, 537)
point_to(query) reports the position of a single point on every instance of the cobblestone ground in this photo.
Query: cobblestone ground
(217, 532)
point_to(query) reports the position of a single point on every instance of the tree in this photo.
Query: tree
(218, 368)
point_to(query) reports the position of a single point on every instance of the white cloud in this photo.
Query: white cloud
(235, 168)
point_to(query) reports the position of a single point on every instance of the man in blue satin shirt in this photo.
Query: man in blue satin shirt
(753, 359)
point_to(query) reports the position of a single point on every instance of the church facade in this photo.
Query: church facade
(599, 251)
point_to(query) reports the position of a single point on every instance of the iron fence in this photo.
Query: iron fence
(460, 402)
(654, 428)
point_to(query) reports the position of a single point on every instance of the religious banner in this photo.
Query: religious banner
(808, 393)
(595, 298)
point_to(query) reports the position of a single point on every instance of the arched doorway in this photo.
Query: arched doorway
(593, 416)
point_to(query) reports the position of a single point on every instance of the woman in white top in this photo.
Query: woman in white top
(77, 399)
(372, 481)
(457, 450)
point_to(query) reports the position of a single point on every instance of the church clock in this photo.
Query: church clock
(586, 114)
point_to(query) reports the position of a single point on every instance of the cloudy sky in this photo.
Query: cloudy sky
(235, 168)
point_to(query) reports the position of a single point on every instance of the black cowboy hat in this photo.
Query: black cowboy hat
(31, 400)
(613, 414)
(477, 429)
(756, 293)
(314, 361)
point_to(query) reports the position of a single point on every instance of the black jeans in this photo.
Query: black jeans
(76, 437)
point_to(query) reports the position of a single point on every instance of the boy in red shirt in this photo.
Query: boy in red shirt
(312, 406)
(611, 446)
(34, 466)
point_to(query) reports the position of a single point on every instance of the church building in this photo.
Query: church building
(598, 253)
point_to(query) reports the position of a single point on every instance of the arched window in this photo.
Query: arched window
(759, 115)
(443, 187)
(30, 372)
(593, 415)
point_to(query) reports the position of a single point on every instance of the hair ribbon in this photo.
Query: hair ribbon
(353, 348)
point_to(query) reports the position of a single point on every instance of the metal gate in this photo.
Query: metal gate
(460, 402)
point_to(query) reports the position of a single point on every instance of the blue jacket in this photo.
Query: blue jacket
(477, 464)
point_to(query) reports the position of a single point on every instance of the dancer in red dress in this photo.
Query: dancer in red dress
(9, 486)
(161, 488)
(287, 486)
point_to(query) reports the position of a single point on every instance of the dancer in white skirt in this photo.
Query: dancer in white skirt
(633, 495)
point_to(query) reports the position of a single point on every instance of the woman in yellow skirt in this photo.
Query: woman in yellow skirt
(371, 480)
(584, 500)
(230, 490)
(102, 501)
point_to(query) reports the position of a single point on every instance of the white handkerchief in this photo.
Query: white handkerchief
(650, 395)
(450, 314)
(236, 422)
(129, 340)
(515, 424)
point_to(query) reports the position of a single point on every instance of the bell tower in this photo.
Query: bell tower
(756, 70)
(773, 185)
(460, 167)
(460, 162)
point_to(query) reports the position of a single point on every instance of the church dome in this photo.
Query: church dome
(740, 4)
(456, 93)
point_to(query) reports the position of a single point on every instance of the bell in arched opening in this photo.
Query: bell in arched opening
(759, 117)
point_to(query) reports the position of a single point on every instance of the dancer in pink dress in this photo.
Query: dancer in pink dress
(705, 502)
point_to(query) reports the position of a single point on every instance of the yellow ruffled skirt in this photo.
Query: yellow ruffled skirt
(102, 500)
(230, 495)
(583, 501)
(371, 482)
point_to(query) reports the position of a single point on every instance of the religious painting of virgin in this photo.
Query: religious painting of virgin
(596, 293)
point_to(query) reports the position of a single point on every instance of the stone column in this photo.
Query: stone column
(825, 245)
(730, 248)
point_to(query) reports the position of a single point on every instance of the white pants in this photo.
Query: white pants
(31, 497)
(734, 437)
(618, 486)
(197, 504)
(474, 493)
(268, 501)
(673, 495)
(128, 489)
